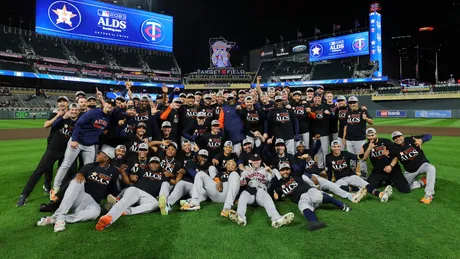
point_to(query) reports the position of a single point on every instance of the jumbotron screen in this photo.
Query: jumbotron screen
(104, 23)
(340, 47)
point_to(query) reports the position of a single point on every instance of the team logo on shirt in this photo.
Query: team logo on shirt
(409, 154)
(252, 117)
(66, 130)
(191, 113)
(379, 152)
(319, 114)
(343, 114)
(289, 186)
(100, 178)
(339, 165)
(282, 117)
(130, 128)
(152, 176)
(100, 124)
(354, 118)
(214, 143)
(259, 177)
(143, 116)
(167, 166)
(299, 110)
(309, 163)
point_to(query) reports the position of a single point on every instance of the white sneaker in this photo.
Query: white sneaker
(59, 226)
(284, 220)
(185, 202)
(162, 204)
(358, 196)
(46, 221)
(111, 199)
(235, 217)
(386, 193)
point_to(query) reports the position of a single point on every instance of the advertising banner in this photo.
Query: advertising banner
(433, 114)
(391, 113)
(340, 47)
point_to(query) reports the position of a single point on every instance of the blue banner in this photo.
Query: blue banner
(391, 113)
(326, 82)
(375, 37)
(80, 79)
(340, 47)
(105, 23)
(433, 114)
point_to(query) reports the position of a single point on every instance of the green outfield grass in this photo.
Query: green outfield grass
(21, 124)
(401, 228)
(445, 123)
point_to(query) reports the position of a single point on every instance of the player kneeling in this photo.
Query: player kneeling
(142, 193)
(254, 181)
(223, 189)
(300, 192)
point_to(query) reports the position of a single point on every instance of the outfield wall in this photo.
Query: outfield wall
(24, 114)
(426, 104)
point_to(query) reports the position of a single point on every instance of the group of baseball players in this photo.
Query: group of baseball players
(250, 147)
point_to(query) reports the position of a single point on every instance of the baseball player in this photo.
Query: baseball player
(212, 140)
(254, 183)
(220, 161)
(338, 163)
(85, 136)
(320, 114)
(341, 114)
(306, 197)
(92, 184)
(254, 120)
(354, 133)
(408, 150)
(300, 110)
(141, 193)
(377, 150)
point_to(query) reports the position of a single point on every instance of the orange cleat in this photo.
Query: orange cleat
(423, 179)
(427, 199)
(104, 222)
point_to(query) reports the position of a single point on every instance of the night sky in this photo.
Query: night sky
(249, 22)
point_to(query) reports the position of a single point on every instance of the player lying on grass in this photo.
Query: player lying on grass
(254, 183)
(142, 194)
(92, 184)
(408, 150)
(338, 164)
(378, 151)
(301, 193)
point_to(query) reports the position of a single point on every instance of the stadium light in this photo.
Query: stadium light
(426, 29)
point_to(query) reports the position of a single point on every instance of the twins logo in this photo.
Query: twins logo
(153, 31)
(359, 44)
(316, 50)
(289, 186)
(339, 165)
(65, 16)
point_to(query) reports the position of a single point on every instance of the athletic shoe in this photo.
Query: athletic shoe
(346, 208)
(104, 222)
(386, 193)
(111, 199)
(423, 181)
(184, 202)
(190, 207)
(46, 190)
(315, 225)
(59, 225)
(427, 199)
(49, 207)
(235, 217)
(359, 195)
(284, 220)
(224, 213)
(162, 205)
(45, 221)
(22, 201)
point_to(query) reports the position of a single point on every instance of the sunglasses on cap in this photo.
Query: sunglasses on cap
(352, 102)
(143, 149)
(201, 118)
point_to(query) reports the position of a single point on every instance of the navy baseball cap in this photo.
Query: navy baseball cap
(112, 102)
(255, 157)
(154, 159)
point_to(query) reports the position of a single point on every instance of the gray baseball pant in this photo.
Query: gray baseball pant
(323, 151)
(262, 198)
(352, 180)
(88, 154)
(237, 149)
(256, 141)
(342, 147)
(335, 136)
(290, 146)
(355, 147)
(133, 195)
(213, 171)
(326, 185)
(430, 171)
(310, 200)
(83, 205)
(204, 187)
(306, 139)
(181, 188)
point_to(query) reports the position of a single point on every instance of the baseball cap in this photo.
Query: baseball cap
(215, 122)
(271, 88)
(255, 157)
(207, 96)
(159, 96)
(247, 141)
(341, 98)
(370, 131)
(279, 141)
(248, 98)
(185, 142)
(352, 99)
(111, 101)
(141, 125)
(74, 106)
(145, 97)
(177, 100)
(309, 89)
(228, 143)
(241, 91)
(219, 94)
(143, 146)
(335, 143)
(300, 143)
(317, 95)
(130, 107)
(108, 150)
(62, 98)
(198, 93)
(136, 97)
(190, 96)
(203, 152)
(278, 98)
(320, 87)
(297, 92)
(166, 124)
(120, 147)
(230, 96)
(154, 159)
(182, 95)
(172, 143)
(201, 114)
(121, 98)
(283, 166)
(396, 134)
(91, 98)
(80, 93)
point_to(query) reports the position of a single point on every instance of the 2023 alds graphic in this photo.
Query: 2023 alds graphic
(105, 23)
(340, 47)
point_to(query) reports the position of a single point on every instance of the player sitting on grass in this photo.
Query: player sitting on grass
(92, 183)
(306, 197)
(338, 163)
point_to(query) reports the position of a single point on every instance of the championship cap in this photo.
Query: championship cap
(300, 143)
(136, 97)
(121, 147)
(241, 91)
(166, 124)
(370, 131)
(271, 88)
(203, 152)
(309, 89)
(341, 98)
(154, 159)
(335, 143)
(91, 98)
(297, 92)
(352, 99)
(145, 97)
(229, 96)
(62, 98)
(228, 143)
(247, 141)
(396, 134)
(111, 101)
(198, 93)
(172, 143)
(182, 95)
(255, 157)
(248, 98)
(279, 141)
(215, 122)
(121, 98)
(320, 87)
(278, 98)
(108, 150)
(185, 142)
(317, 95)
(190, 96)
(159, 96)
(201, 115)
(143, 146)
(129, 107)
(80, 93)
(219, 94)
(74, 106)
(141, 125)
(207, 96)
(284, 166)
(177, 100)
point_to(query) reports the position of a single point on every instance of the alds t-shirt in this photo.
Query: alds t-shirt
(99, 181)
(410, 156)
